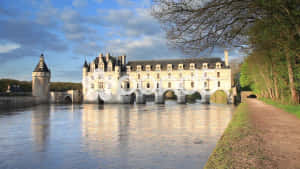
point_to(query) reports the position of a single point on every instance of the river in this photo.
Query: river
(169, 136)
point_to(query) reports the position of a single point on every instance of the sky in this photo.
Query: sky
(69, 31)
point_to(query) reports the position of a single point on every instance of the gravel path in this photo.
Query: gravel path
(280, 132)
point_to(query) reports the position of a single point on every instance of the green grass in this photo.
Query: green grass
(238, 128)
(294, 109)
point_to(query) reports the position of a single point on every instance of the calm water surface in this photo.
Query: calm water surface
(169, 136)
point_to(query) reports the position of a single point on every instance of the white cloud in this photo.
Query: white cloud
(8, 47)
(147, 47)
(79, 3)
(126, 3)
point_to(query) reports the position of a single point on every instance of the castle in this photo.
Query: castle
(109, 79)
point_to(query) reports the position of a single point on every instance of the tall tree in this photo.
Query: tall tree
(195, 26)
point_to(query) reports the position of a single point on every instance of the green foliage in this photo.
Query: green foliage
(26, 86)
(193, 97)
(275, 46)
(244, 77)
(63, 86)
(170, 95)
(219, 97)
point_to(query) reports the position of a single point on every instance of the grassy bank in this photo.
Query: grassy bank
(294, 109)
(239, 147)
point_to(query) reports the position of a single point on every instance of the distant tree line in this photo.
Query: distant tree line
(268, 30)
(26, 86)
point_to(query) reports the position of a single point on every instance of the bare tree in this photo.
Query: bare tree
(197, 25)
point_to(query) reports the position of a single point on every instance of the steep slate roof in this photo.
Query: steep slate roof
(115, 62)
(186, 63)
(41, 66)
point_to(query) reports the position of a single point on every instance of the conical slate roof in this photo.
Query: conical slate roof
(41, 66)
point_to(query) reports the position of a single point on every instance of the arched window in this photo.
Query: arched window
(148, 85)
(127, 85)
(192, 84)
(169, 85)
(218, 74)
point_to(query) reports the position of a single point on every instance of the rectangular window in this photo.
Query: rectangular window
(101, 85)
(218, 74)
(219, 84)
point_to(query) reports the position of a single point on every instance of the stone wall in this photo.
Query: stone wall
(9, 102)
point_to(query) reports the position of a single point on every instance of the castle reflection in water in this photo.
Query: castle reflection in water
(128, 136)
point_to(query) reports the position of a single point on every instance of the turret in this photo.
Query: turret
(41, 81)
(85, 69)
(107, 57)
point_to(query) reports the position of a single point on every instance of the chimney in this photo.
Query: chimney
(107, 57)
(123, 59)
(226, 58)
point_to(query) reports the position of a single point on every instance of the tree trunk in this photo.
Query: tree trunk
(291, 78)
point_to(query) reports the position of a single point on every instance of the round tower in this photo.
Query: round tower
(41, 81)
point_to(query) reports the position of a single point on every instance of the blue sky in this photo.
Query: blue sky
(68, 31)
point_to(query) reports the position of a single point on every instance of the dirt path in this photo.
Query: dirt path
(280, 132)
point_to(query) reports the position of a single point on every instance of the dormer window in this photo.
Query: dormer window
(148, 67)
(128, 68)
(205, 66)
(101, 66)
(218, 65)
(117, 68)
(180, 66)
(169, 67)
(139, 68)
(192, 66)
(157, 67)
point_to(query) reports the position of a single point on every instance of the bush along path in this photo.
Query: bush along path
(259, 136)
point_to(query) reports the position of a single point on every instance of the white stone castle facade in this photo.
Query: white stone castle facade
(110, 79)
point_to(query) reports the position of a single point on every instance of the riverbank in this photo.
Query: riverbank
(259, 136)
